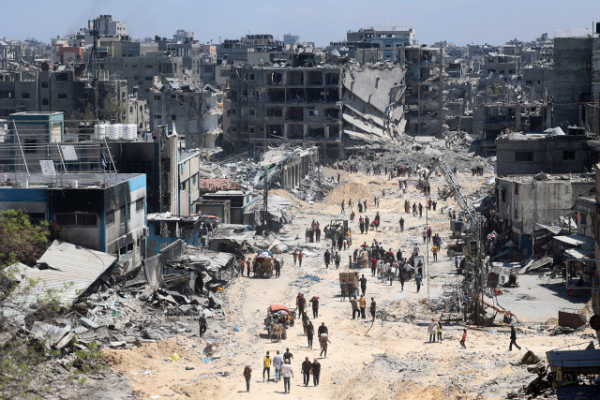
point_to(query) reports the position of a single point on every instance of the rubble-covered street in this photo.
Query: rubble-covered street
(392, 360)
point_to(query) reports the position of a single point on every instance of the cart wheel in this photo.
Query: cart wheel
(285, 334)
(451, 253)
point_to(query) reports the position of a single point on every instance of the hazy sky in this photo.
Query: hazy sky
(321, 21)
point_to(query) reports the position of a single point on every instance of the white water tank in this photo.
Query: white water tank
(114, 131)
(100, 131)
(130, 132)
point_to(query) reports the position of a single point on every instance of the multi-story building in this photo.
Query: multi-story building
(196, 112)
(105, 212)
(572, 79)
(314, 105)
(425, 96)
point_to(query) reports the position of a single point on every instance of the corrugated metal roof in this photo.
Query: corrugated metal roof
(72, 269)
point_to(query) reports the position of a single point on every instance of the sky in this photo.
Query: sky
(321, 21)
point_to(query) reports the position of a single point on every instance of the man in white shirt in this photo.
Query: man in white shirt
(287, 373)
(277, 363)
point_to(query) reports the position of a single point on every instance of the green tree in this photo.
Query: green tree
(19, 239)
(494, 89)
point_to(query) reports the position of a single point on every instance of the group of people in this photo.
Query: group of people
(283, 369)
(252, 265)
(313, 233)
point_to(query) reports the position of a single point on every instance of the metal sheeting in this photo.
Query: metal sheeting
(575, 240)
(72, 270)
(215, 259)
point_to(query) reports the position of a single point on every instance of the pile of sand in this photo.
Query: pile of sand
(347, 191)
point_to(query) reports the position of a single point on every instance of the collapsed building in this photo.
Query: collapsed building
(326, 105)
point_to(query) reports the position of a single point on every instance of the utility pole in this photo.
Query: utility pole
(266, 205)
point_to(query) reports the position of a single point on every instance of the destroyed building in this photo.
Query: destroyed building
(323, 104)
(572, 79)
(196, 112)
(524, 201)
(104, 212)
(531, 153)
(425, 97)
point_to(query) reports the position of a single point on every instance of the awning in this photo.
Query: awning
(553, 229)
(281, 307)
(575, 240)
(580, 361)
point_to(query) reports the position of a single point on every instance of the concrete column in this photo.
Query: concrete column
(548, 109)
(518, 118)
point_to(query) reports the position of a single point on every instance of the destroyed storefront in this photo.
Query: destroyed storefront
(165, 229)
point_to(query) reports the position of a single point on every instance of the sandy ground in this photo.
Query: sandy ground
(394, 360)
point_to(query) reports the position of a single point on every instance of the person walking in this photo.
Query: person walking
(247, 375)
(267, 367)
(316, 372)
(323, 340)
(277, 363)
(277, 268)
(373, 308)
(401, 224)
(439, 331)
(248, 265)
(431, 329)
(295, 255)
(464, 339)
(306, 369)
(367, 222)
(287, 373)
(327, 257)
(418, 280)
(373, 266)
(300, 257)
(338, 259)
(355, 309)
(288, 355)
(401, 273)
(363, 284)
(434, 250)
(310, 332)
(513, 338)
(315, 306)
(300, 303)
(363, 305)
(203, 324)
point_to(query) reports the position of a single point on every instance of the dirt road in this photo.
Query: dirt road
(394, 360)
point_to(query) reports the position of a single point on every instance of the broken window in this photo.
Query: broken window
(295, 132)
(568, 155)
(274, 112)
(332, 95)
(139, 204)
(503, 195)
(317, 132)
(25, 95)
(582, 218)
(294, 114)
(110, 218)
(524, 156)
(332, 79)
(314, 95)
(44, 102)
(276, 95)
(516, 189)
(333, 113)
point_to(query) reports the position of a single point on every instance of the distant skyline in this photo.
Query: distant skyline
(321, 21)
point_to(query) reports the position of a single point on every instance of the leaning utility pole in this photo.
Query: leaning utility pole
(266, 204)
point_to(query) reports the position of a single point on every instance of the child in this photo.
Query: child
(464, 338)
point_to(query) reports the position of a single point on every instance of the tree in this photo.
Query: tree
(494, 89)
(20, 240)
